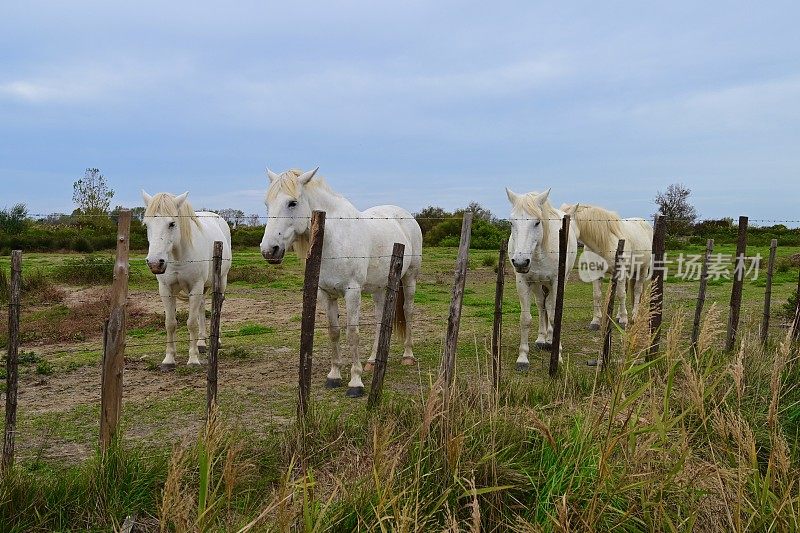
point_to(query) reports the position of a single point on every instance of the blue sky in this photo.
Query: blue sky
(410, 103)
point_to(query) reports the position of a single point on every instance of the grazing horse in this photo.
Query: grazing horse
(533, 251)
(600, 230)
(355, 258)
(180, 254)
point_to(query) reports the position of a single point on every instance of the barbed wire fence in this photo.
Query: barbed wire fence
(569, 326)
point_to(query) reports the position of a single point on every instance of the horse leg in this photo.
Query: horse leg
(538, 293)
(170, 324)
(550, 305)
(597, 304)
(355, 388)
(524, 292)
(193, 323)
(379, 298)
(335, 375)
(409, 288)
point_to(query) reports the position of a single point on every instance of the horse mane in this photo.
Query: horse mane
(599, 228)
(287, 183)
(163, 204)
(527, 202)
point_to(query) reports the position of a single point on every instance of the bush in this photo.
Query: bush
(89, 270)
(44, 368)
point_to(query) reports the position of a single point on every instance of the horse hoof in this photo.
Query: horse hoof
(332, 383)
(369, 367)
(355, 392)
(541, 345)
(167, 367)
(594, 327)
(194, 365)
(201, 349)
(408, 361)
(523, 367)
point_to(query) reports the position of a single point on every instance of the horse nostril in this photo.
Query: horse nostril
(161, 262)
(275, 251)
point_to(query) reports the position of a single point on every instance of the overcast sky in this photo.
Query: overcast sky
(413, 103)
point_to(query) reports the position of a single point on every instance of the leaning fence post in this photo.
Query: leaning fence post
(497, 327)
(796, 323)
(738, 284)
(608, 322)
(563, 239)
(773, 248)
(114, 348)
(657, 292)
(12, 360)
(310, 285)
(454, 318)
(387, 319)
(701, 294)
(216, 314)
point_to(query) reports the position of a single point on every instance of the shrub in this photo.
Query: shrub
(89, 269)
(44, 368)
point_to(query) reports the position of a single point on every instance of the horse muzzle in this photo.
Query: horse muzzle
(522, 266)
(274, 255)
(157, 267)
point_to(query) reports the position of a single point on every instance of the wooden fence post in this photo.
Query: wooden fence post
(701, 294)
(563, 239)
(796, 323)
(12, 360)
(310, 286)
(387, 320)
(773, 248)
(497, 327)
(216, 314)
(114, 349)
(657, 292)
(738, 284)
(609, 321)
(454, 318)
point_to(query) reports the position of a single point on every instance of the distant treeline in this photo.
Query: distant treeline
(80, 233)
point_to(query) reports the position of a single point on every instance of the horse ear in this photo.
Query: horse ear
(305, 177)
(146, 197)
(542, 198)
(570, 209)
(180, 199)
(272, 176)
(512, 196)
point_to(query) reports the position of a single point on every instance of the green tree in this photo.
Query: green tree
(14, 221)
(673, 204)
(91, 193)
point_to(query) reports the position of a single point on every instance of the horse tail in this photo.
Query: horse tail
(399, 313)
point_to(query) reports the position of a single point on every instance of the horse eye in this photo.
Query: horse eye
(171, 224)
(538, 222)
(292, 204)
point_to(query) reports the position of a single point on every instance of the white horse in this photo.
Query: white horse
(355, 258)
(180, 254)
(600, 230)
(533, 251)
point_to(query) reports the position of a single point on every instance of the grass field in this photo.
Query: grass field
(707, 440)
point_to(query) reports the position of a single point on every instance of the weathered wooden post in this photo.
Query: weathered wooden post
(12, 360)
(497, 327)
(307, 323)
(609, 320)
(217, 297)
(657, 292)
(563, 239)
(114, 348)
(454, 318)
(796, 323)
(387, 320)
(701, 293)
(773, 248)
(738, 284)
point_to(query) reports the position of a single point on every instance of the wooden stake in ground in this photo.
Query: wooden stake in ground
(497, 327)
(796, 324)
(738, 285)
(773, 248)
(12, 360)
(657, 293)
(310, 286)
(216, 314)
(114, 349)
(454, 318)
(563, 239)
(701, 294)
(616, 274)
(387, 320)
